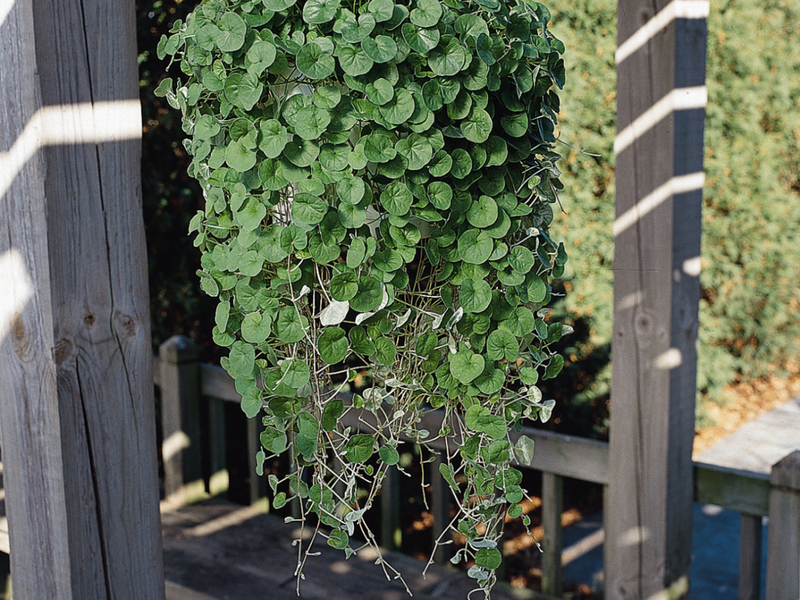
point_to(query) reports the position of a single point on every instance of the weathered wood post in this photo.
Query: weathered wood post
(783, 544)
(76, 396)
(661, 97)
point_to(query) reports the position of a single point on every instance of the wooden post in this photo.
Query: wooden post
(33, 473)
(78, 427)
(219, 481)
(659, 177)
(391, 533)
(749, 557)
(552, 507)
(180, 420)
(258, 483)
(783, 545)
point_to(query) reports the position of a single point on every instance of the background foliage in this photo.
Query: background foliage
(751, 299)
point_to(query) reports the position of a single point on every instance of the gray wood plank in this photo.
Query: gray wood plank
(552, 507)
(29, 423)
(749, 557)
(656, 295)
(86, 59)
(783, 543)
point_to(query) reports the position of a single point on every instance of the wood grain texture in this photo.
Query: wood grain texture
(749, 557)
(552, 544)
(29, 424)
(783, 543)
(86, 54)
(656, 295)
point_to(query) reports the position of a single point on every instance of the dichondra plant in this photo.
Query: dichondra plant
(379, 178)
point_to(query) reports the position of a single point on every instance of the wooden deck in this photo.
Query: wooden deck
(229, 552)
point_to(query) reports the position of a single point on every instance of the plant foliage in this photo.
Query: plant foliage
(379, 181)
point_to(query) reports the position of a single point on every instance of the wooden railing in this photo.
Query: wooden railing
(754, 495)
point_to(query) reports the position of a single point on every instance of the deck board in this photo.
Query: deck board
(230, 552)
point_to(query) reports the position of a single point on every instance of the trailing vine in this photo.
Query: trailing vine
(379, 179)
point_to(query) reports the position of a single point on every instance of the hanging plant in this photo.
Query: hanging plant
(379, 178)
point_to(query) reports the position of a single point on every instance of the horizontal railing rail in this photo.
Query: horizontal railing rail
(556, 456)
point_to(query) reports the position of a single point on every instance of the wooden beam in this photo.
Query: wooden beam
(84, 336)
(659, 177)
(33, 474)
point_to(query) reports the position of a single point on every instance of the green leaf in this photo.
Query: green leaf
(420, 39)
(333, 345)
(251, 402)
(206, 127)
(466, 366)
(273, 138)
(308, 209)
(502, 344)
(477, 126)
(440, 166)
(360, 343)
(380, 92)
(232, 31)
(449, 476)
(351, 189)
(380, 49)
(515, 124)
(554, 368)
(243, 90)
(319, 11)
(271, 175)
(369, 295)
(338, 539)
(311, 122)
(386, 351)
(491, 383)
(359, 448)
(426, 343)
(399, 109)
(389, 455)
(256, 327)
(382, 10)
(313, 62)
(356, 253)
(397, 198)
(290, 326)
(242, 358)
(408, 235)
(378, 148)
(353, 59)
(331, 413)
(251, 214)
(333, 157)
(351, 216)
(462, 163)
(497, 452)
(239, 157)
(475, 296)
(448, 58)
(296, 373)
(475, 247)
(427, 13)
(416, 150)
(521, 259)
(535, 287)
(260, 56)
(344, 286)
(482, 212)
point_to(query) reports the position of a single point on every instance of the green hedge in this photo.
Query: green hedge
(751, 260)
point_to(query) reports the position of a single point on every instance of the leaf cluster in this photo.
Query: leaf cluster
(379, 180)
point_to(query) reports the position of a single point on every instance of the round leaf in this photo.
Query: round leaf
(380, 49)
(427, 13)
(313, 62)
(359, 448)
(273, 138)
(502, 344)
(319, 11)
(482, 212)
(475, 247)
(466, 366)
(311, 122)
(369, 295)
(397, 198)
(232, 31)
(475, 296)
(332, 345)
(477, 126)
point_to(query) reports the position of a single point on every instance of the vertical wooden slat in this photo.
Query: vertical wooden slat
(659, 175)
(180, 420)
(258, 483)
(391, 534)
(749, 557)
(440, 507)
(783, 542)
(219, 481)
(552, 507)
(33, 474)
